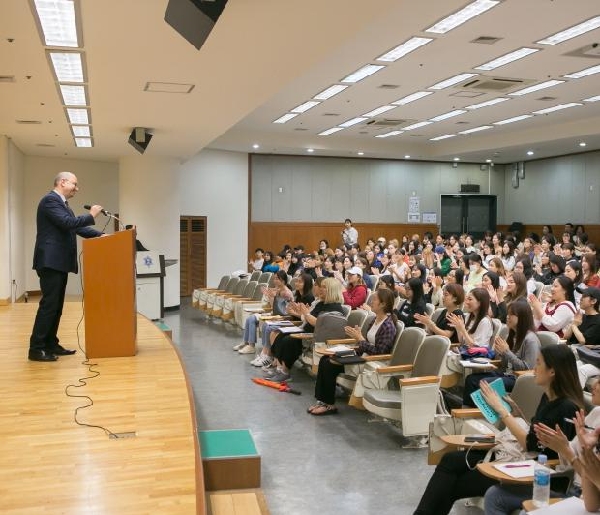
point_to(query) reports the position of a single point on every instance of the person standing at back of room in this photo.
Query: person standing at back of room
(349, 234)
(54, 256)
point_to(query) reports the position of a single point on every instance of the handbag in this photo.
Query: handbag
(590, 356)
(508, 447)
(443, 424)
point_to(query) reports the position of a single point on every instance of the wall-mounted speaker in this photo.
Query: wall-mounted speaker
(521, 168)
(139, 139)
(194, 19)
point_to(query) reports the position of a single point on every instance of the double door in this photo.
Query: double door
(470, 214)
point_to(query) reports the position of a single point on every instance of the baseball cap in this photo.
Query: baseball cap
(354, 271)
(592, 292)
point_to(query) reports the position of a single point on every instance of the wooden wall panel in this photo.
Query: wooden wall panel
(593, 231)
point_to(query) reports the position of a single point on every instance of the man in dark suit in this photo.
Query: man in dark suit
(54, 256)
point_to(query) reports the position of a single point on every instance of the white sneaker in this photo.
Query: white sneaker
(257, 361)
(239, 346)
(268, 367)
(247, 349)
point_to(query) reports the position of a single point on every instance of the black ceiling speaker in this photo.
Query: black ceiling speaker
(194, 19)
(140, 139)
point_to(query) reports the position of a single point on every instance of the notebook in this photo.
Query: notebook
(490, 415)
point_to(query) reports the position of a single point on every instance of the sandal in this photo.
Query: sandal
(315, 406)
(324, 409)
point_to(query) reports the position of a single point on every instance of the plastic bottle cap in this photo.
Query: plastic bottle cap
(542, 459)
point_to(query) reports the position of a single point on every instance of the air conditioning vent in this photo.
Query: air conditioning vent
(389, 86)
(330, 114)
(493, 84)
(385, 122)
(547, 99)
(300, 129)
(29, 122)
(7, 78)
(45, 145)
(486, 40)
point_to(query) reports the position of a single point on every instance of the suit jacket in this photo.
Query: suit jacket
(57, 227)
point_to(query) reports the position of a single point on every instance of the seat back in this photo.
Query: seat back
(233, 282)
(255, 275)
(431, 356)
(527, 394)
(429, 309)
(496, 325)
(249, 289)
(264, 277)
(271, 282)
(223, 282)
(258, 294)
(436, 314)
(330, 326)
(367, 323)
(503, 333)
(547, 338)
(347, 309)
(409, 343)
(357, 317)
(240, 287)
(539, 287)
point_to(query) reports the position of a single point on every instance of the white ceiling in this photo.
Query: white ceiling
(264, 57)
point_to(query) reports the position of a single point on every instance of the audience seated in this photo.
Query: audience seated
(557, 312)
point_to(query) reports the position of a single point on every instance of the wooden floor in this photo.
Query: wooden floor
(238, 502)
(51, 465)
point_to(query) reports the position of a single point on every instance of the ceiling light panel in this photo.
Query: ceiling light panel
(450, 114)
(592, 99)
(488, 103)
(362, 73)
(444, 136)
(411, 98)
(403, 49)
(584, 73)
(305, 107)
(353, 121)
(507, 58)
(536, 87)
(513, 119)
(83, 142)
(73, 95)
(388, 134)
(57, 20)
(452, 81)
(68, 66)
(477, 129)
(78, 116)
(285, 118)
(330, 91)
(379, 110)
(416, 125)
(333, 130)
(559, 107)
(458, 18)
(572, 32)
(81, 131)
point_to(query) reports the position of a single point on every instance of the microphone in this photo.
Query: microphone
(103, 211)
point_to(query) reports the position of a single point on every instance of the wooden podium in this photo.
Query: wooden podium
(109, 295)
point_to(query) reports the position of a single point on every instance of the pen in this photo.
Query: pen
(517, 466)
(572, 422)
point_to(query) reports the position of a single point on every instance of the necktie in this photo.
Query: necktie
(68, 208)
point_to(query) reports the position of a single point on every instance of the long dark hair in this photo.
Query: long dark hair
(520, 288)
(387, 298)
(566, 384)
(525, 324)
(282, 276)
(483, 297)
(494, 279)
(568, 286)
(308, 286)
(418, 296)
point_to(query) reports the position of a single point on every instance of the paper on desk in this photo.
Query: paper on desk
(571, 505)
(338, 348)
(472, 364)
(290, 329)
(519, 469)
(254, 309)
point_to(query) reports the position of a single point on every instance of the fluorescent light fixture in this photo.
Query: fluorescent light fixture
(465, 14)
(492, 102)
(411, 98)
(559, 107)
(388, 134)
(83, 142)
(456, 159)
(416, 125)
(445, 136)
(361, 153)
(488, 160)
(513, 119)
(81, 131)
(68, 66)
(57, 19)
(536, 87)
(572, 32)
(584, 73)
(73, 95)
(403, 49)
(362, 73)
(452, 81)
(507, 58)
(592, 99)
(582, 144)
(530, 152)
(379, 110)
(447, 115)
(330, 91)
(78, 116)
(286, 118)
(256, 145)
(310, 150)
(353, 121)
(477, 129)
(305, 107)
(406, 156)
(331, 131)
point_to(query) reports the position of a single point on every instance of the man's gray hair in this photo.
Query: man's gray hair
(62, 175)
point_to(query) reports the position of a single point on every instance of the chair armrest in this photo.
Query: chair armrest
(378, 357)
(270, 317)
(341, 341)
(519, 373)
(466, 413)
(495, 362)
(394, 369)
(302, 336)
(414, 381)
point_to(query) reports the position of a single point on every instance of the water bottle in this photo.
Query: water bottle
(541, 482)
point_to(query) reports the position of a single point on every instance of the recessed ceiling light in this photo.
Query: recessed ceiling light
(443, 136)
(81, 131)
(445, 116)
(256, 145)
(513, 119)
(582, 144)
(572, 32)
(592, 99)
(362, 73)
(353, 121)
(465, 14)
(411, 98)
(78, 116)
(488, 103)
(407, 157)
(416, 125)
(83, 142)
(285, 118)
(530, 152)
(305, 107)
(476, 129)
(57, 19)
(403, 49)
(536, 87)
(330, 91)
(67, 66)
(331, 131)
(507, 58)
(559, 107)
(361, 153)
(457, 159)
(379, 110)
(452, 81)
(310, 150)
(488, 160)
(73, 95)
(388, 134)
(584, 73)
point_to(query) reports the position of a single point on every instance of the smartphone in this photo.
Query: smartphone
(480, 439)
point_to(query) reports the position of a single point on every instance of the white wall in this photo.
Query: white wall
(16, 209)
(214, 184)
(5, 279)
(98, 184)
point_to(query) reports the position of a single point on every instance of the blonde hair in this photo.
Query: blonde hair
(333, 291)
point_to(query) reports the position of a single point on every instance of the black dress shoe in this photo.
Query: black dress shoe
(41, 355)
(59, 350)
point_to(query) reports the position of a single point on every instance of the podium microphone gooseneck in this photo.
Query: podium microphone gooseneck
(106, 213)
